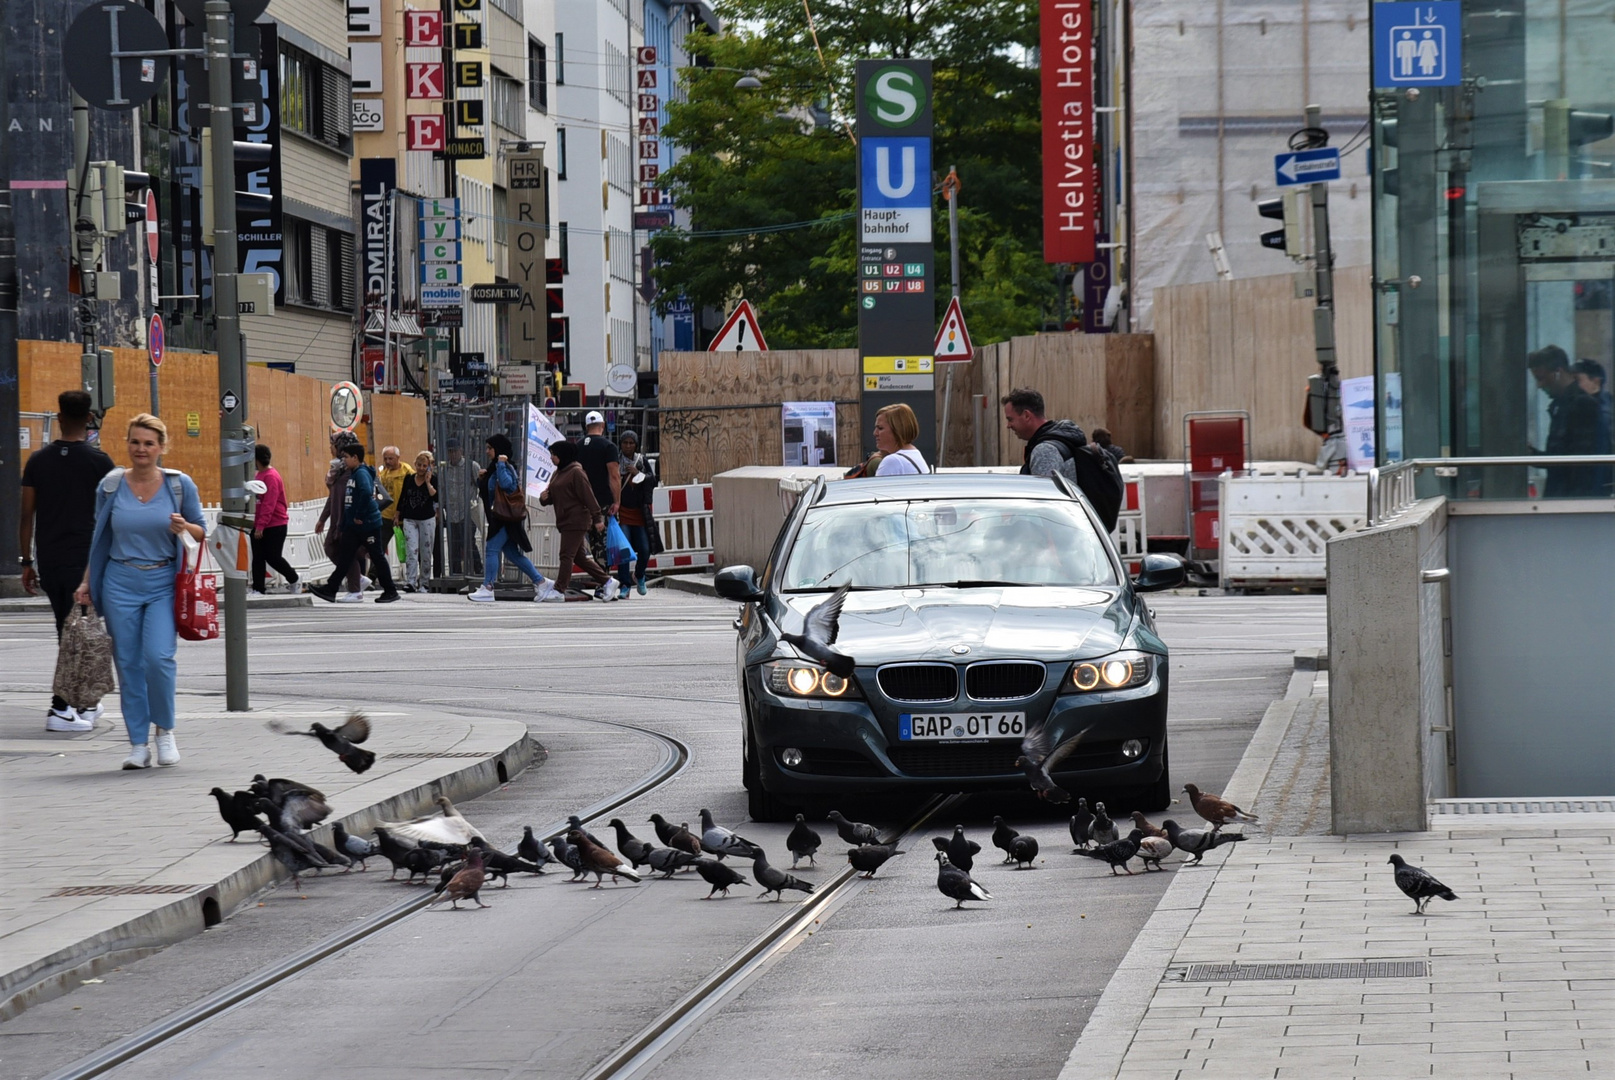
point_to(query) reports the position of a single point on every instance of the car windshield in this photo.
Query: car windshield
(959, 543)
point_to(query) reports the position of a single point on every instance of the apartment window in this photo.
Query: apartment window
(560, 153)
(315, 98)
(616, 73)
(620, 165)
(560, 59)
(318, 266)
(566, 255)
(505, 103)
(538, 88)
(620, 253)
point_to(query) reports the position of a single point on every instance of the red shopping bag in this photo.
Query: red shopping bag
(196, 604)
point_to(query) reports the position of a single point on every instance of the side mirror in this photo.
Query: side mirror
(738, 583)
(1161, 571)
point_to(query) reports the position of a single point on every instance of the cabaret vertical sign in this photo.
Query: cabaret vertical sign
(1070, 213)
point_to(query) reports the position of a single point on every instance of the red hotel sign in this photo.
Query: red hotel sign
(1069, 213)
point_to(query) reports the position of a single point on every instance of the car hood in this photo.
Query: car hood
(1041, 623)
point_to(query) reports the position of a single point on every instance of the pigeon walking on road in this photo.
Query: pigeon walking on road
(1418, 885)
(634, 849)
(868, 858)
(719, 841)
(1002, 835)
(1116, 853)
(802, 842)
(962, 852)
(1103, 830)
(569, 857)
(685, 840)
(719, 876)
(465, 884)
(340, 741)
(393, 850)
(853, 832)
(775, 881)
(352, 846)
(664, 829)
(1143, 825)
(599, 861)
(956, 884)
(818, 636)
(239, 811)
(1038, 758)
(575, 822)
(422, 861)
(1081, 824)
(1197, 842)
(1151, 849)
(532, 848)
(666, 860)
(496, 863)
(1216, 809)
(1023, 852)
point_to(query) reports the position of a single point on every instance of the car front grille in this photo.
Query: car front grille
(1003, 682)
(919, 682)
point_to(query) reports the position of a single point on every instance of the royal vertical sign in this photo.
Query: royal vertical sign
(1070, 213)
(527, 206)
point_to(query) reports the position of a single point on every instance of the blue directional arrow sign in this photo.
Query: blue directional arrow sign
(1307, 166)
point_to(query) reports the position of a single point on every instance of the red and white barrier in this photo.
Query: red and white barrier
(684, 520)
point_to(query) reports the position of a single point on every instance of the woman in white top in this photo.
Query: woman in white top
(896, 428)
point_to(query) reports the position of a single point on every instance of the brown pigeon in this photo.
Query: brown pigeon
(685, 840)
(598, 860)
(1145, 827)
(1216, 809)
(466, 884)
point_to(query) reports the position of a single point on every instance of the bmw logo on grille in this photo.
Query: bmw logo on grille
(960, 650)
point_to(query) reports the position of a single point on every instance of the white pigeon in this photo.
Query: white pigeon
(449, 828)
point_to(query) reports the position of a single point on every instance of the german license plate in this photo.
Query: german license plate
(947, 727)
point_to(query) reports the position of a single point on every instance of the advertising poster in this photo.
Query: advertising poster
(540, 435)
(1357, 416)
(809, 432)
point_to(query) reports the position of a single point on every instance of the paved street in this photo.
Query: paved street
(891, 973)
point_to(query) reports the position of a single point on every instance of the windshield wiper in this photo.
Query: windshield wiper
(833, 588)
(977, 583)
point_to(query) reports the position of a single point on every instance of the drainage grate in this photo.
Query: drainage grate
(1466, 807)
(1371, 969)
(126, 890)
(432, 754)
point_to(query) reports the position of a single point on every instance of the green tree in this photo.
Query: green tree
(760, 164)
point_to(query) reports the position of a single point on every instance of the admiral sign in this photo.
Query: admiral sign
(377, 178)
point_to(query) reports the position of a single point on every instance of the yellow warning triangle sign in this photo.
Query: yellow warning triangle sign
(953, 339)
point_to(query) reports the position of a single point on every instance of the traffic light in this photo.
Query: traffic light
(555, 322)
(1286, 208)
(249, 156)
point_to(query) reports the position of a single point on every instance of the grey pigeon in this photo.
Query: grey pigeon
(868, 858)
(818, 636)
(569, 856)
(1081, 823)
(719, 876)
(1117, 853)
(853, 832)
(802, 842)
(1023, 852)
(532, 848)
(292, 856)
(719, 841)
(666, 860)
(1038, 758)
(299, 806)
(956, 884)
(575, 822)
(1002, 835)
(633, 849)
(352, 846)
(1151, 849)
(775, 881)
(1103, 830)
(961, 852)
(1418, 885)
(1197, 842)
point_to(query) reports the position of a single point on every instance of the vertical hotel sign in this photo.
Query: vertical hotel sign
(527, 205)
(1069, 212)
(896, 258)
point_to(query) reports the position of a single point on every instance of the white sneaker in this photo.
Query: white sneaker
(483, 595)
(139, 757)
(364, 583)
(93, 713)
(350, 598)
(167, 752)
(543, 591)
(67, 720)
(295, 588)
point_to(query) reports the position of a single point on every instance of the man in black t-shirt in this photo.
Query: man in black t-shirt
(58, 516)
(599, 458)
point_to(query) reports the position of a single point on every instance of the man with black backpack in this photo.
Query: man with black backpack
(1059, 446)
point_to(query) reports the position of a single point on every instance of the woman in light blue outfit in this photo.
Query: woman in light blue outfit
(142, 514)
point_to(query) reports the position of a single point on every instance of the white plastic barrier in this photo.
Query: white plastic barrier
(684, 520)
(1131, 532)
(1274, 529)
(304, 549)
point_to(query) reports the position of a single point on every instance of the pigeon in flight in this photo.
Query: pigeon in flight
(1102, 830)
(465, 884)
(448, 828)
(956, 884)
(819, 630)
(1216, 809)
(634, 849)
(340, 741)
(868, 858)
(1081, 824)
(1418, 885)
(239, 811)
(1116, 853)
(1197, 842)
(802, 842)
(719, 841)
(292, 856)
(854, 832)
(532, 848)
(1151, 849)
(598, 861)
(666, 860)
(775, 881)
(1002, 835)
(719, 876)
(352, 846)
(1038, 758)
(298, 806)
(1023, 852)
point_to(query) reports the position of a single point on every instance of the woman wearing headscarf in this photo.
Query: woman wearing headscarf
(634, 512)
(577, 512)
(507, 539)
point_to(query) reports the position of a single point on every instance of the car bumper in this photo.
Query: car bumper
(851, 747)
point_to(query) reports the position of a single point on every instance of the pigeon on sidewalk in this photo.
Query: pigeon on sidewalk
(1002, 835)
(239, 811)
(818, 637)
(867, 858)
(719, 876)
(1151, 849)
(719, 841)
(956, 884)
(1082, 824)
(1102, 830)
(1216, 809)
(1418, 885)
(1023, 852)
(802, 842)
(853, 832)
(775, 881)
(1117, 853)
(1197, 842)
(634, 849)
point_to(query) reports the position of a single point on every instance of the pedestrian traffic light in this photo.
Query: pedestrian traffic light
(1286, 208)
(555, 322)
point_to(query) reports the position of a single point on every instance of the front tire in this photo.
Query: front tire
(1157, 796)
(760, 804)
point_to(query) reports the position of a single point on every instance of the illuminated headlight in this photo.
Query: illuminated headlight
(802, 680)
(1118, 671)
